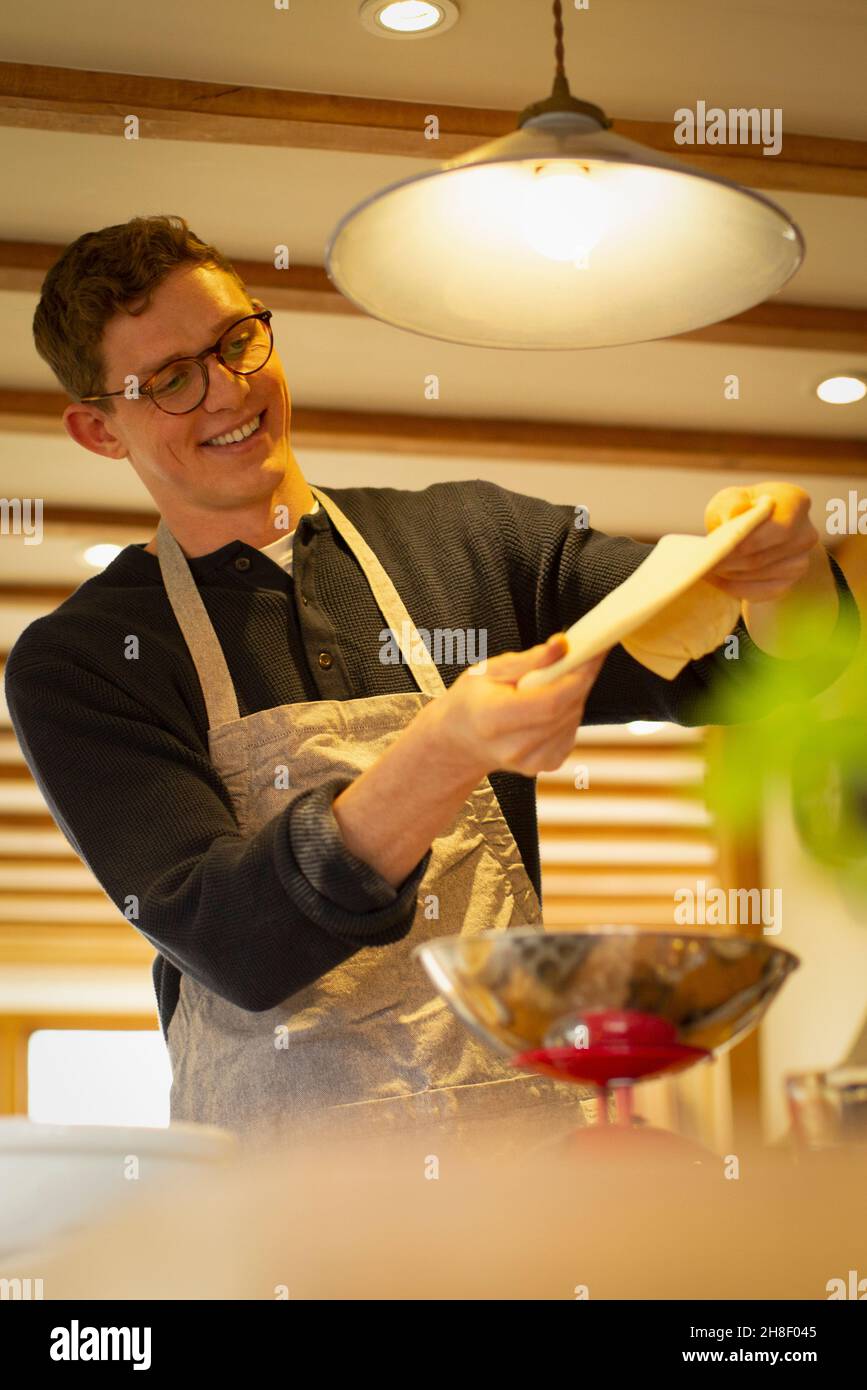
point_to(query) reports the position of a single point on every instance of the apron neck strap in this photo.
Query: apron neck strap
(389, 602)
(221, 701)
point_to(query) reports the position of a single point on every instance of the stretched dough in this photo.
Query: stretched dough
(696, 622)
(667, 612)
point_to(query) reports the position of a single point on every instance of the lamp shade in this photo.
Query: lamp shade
(561, 235)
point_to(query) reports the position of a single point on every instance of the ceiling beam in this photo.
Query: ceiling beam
(801, 327)
(47, 942)
(306, 289)
(10, 594)
(17, 820)
(15, 772)
(97, 103)
(529, 441)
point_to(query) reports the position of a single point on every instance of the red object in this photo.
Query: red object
(622, 1045)
(628, 1026)
(631, 1144)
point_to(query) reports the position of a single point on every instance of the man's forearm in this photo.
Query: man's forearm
(772, 625)
(390, 815)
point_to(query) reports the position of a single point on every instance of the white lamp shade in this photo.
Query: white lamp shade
(561, 235)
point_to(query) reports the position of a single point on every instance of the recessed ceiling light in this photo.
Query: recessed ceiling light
(101, 555)
(408, 19)
(842, 390)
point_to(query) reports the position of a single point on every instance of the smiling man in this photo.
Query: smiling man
(282, 812)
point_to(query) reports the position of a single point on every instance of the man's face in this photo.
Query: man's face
(187, 313)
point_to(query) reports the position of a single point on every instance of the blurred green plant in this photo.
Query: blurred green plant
(803, 721)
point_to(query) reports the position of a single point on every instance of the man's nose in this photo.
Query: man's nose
(225, 387)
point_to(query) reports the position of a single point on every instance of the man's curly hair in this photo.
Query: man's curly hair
(103, 273)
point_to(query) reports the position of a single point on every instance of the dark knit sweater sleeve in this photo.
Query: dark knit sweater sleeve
(558, 571)
(253, 918)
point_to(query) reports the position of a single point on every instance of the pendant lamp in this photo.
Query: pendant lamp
(561, 235)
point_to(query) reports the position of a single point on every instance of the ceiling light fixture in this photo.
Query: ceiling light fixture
(842, 390)
(561, 235)
(101, 555)
(408, 19)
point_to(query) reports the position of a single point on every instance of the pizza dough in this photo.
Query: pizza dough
(665, 614)
(696, 622)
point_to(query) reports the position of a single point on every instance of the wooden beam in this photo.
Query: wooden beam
(306, 289)
(13, 1067)
(52, 593)
(36, 97)
(300, 289)
(801, 327)
(559, 795)
(16, 772)
(11, 854)
(23, 264)
(80, 521)
(529, 441)
(72, 943)
(557, 835)
(567, 914)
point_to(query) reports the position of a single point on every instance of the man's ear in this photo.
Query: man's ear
(92, 429)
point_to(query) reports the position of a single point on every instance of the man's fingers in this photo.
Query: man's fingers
(510, 666)
(791, 570)
(742, 560)
(795, 565)
(551, 751)
(544, 705)
(761, 544)
(763, 592)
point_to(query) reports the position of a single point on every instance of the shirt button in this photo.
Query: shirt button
(304, 599)
(325, 660)
(242, 562)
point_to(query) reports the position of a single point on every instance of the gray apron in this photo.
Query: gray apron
(369, 1048)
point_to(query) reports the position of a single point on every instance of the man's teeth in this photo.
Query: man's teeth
(237, 435)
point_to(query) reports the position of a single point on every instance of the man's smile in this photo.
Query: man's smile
(239, 438)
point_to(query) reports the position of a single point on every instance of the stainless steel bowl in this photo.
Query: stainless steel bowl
(523, 988)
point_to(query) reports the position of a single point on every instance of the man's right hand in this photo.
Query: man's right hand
(484, 723)
(390, 814)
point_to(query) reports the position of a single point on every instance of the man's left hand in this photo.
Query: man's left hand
(776, 555)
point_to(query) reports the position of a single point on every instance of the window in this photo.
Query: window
(98, 1077)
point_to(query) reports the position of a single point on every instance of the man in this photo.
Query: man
(281, 812)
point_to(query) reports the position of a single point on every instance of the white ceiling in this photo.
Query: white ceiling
(639, 60)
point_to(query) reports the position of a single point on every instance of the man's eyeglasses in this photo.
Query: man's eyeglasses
(180, 386)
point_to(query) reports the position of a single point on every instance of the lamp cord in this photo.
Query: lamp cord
(561, 99)
(559, 52)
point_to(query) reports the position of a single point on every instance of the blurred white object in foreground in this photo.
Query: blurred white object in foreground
(57, 1178)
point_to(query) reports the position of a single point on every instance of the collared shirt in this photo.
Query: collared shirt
(115, 732)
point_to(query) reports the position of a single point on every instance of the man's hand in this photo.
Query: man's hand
(487, 724)
(774, 557)
(390, 815)
(778, 570)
